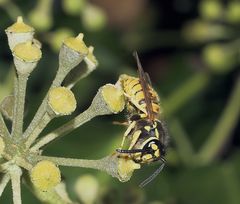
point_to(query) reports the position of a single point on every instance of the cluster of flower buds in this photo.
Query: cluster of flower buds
(20, 150)
(216, 29)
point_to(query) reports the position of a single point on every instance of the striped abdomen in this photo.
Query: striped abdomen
(133, 90)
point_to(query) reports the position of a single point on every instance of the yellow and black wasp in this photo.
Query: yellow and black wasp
(146, 135)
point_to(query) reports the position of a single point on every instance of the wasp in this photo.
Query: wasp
(146, 134)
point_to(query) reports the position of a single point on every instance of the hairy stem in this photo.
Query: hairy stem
(3, 128)
(3, 183)
(19, 106)
(43, 123)
(224, 127)
(15, 174)
(43, 107)
(98, 107)
(108, 164)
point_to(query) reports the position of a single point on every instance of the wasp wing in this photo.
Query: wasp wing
(144, 81)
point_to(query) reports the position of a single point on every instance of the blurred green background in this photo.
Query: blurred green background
(191, 50)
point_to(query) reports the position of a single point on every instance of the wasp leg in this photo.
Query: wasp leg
(135, 138)
(131, 126)
(120, 123)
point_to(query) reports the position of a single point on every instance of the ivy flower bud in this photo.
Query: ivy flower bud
(2, 145)
(126, 168)
(26, 55)
(211, 9)
(220, 58)
(45, 175)
(201, 31)
(73, 7)
(87, 188)
(93, 17)
(62, 101)
(91, 60)
(233, 12)
(109, 99)
(72, 52)
(19, 32)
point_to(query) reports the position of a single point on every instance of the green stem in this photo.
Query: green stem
(67, 128)
(182, 142)
(43, 107)
(108, 164)
(43, 123)
(3, 128)
(185, 92)
(224, 127)
(99, 106)
(19, 101)
(231, 184)
(4, 181)
(12, 10)
(15, 174)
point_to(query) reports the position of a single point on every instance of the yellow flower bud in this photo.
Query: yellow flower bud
(19, 32)
(26, 55)
(93, 18)
(233, 12)
(87, 188)
(62, 100)
(72, 52)
(2, 145)
(57, 37)
(77, 44)
(218, 57)
(200, 31)
(73, 7)
(126, 168)
(20, 27)
(27, 52)
(45, 175)
(211, 9)
(114, 98)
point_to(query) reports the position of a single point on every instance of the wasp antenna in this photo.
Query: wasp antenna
(127, 151)
(153, 176)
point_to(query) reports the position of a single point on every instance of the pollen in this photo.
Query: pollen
(62, 100)
(126, 168)
(113, 97)
(77, 44)
(20, 27)
(45, 175)
(27, 51)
